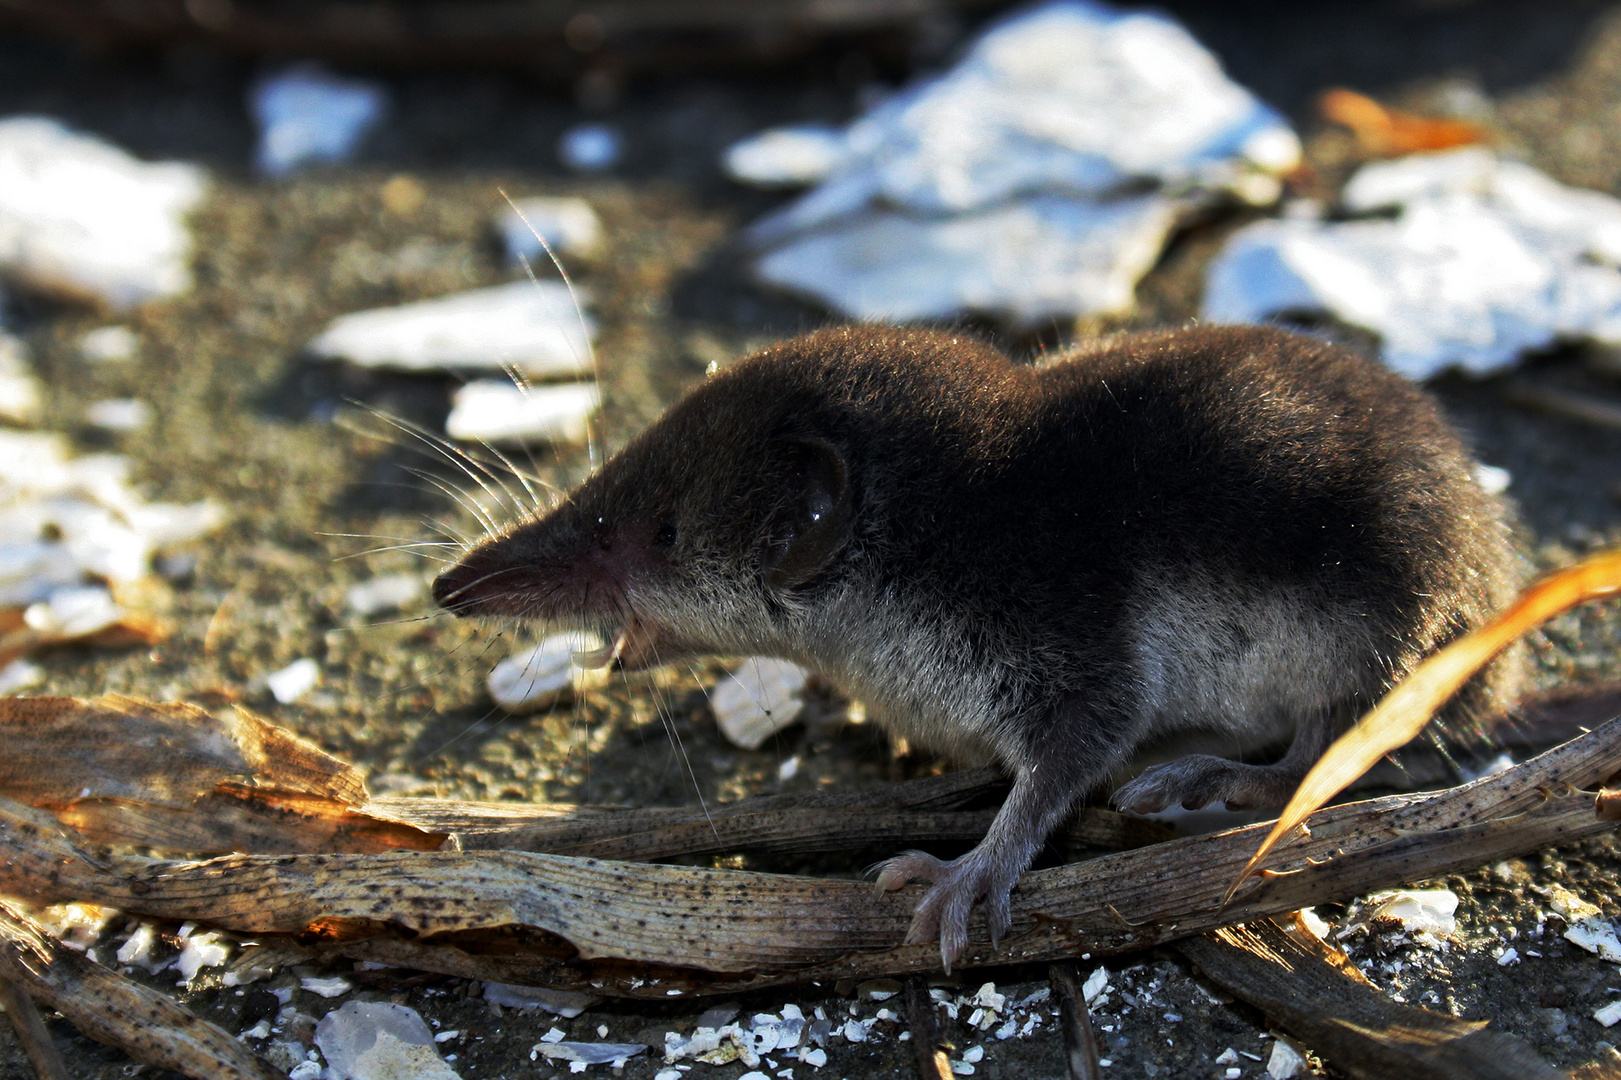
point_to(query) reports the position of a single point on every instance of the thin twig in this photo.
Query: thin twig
(1080, 1043)
(923, 1018)
(112, 1009)
(31, 1032)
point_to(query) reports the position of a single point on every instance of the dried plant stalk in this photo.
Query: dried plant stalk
(607, 926)
(1314, 992)
(114, 1010)
(30, 1027)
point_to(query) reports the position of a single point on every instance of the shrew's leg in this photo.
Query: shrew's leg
(1199, 779)
(1043, 793)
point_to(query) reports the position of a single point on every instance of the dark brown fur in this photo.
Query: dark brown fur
(1235, 532)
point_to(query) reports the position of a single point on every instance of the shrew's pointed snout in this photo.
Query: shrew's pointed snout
(494, 579)
(451, 589)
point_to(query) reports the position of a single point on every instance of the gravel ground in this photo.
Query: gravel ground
(300, 454)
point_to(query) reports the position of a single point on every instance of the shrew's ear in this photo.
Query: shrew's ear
(813, 524)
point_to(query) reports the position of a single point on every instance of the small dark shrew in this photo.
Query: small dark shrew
(1234, 533)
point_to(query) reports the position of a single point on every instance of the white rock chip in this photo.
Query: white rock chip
(293, 681)
(564, 1003)
(758, 700)
(327, 986)
(109, 345)
(590, 147)
(1006, 185)
(786, 156)
(1284, 1062)
(307, 116)
(539, 677)
(119, 414)
(1032, 259)
(20, 675)
(1486, 260)
(81, 217)
(385, 592)
(533, 328)
(499, 411)
(1609, 1014)
(568, 226)
(1095, 984)
(375, 1040)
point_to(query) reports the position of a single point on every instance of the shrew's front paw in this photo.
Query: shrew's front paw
(957, 885)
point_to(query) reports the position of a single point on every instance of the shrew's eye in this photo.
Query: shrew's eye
(665, 537)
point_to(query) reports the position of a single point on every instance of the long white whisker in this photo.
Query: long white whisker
(579, 314)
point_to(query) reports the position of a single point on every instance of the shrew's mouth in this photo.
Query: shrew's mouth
(633, 646)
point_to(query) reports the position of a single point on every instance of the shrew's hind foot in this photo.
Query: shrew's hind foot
(956, 886)
(1196, 781)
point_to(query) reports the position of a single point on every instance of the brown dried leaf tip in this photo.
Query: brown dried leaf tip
(1385, 132)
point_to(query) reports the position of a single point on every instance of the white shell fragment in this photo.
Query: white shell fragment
(379, 1040)
(81, 217)
(293, 681)
(71, 613)
(568, 227)
(198, 950)
(1587, 927)
(1037, 178)
(386, 592)
(1420, 911)
(533, 328)
(307, 116)
(544, 675)
(496, 411)
(19, 388)
(65, 522)
(1028, 260)
(615, 1054)
(786, 156)
(758, 700)
(1486, 260)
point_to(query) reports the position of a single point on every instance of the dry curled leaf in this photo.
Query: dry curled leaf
(1385, 132)
(177, 777)
(1405, 711)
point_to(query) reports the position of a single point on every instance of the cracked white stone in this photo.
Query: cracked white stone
(1036, 258)
(308, 116)
(80, 217)
(1485, 260)
(531, 327)
(759, 699)
(499, 411)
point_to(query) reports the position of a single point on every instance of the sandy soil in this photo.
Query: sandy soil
(298, 452)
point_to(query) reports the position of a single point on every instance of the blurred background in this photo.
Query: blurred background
(276, 311)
